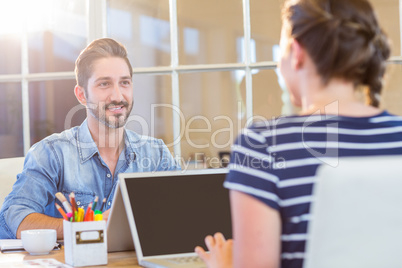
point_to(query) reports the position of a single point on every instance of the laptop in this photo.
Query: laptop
(356, 216)
(171, 212)
(119, 236)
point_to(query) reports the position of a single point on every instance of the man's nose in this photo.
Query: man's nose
(116, 94)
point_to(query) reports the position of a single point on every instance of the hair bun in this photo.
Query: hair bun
(343, 39)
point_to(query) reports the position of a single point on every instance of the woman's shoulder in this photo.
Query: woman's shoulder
(386, 117)
(282, 124)
(318, 119)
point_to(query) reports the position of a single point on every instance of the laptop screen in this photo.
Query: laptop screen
(173, 214)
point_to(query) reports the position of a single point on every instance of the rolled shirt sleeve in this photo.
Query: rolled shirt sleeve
(33, 190)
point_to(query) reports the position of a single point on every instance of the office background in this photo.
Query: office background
(202, 69)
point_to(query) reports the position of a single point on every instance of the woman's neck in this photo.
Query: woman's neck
(338, 97)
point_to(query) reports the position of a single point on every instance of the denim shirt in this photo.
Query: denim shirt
(70, 162)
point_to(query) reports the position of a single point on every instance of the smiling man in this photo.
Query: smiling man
(87, 159)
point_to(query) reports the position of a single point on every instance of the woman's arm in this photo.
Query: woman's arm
(256, 236)
(256, 232)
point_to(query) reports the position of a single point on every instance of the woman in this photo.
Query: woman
(329, 49)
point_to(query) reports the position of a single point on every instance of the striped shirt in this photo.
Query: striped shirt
(276, 162)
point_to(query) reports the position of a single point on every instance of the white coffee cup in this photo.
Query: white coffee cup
(39, 242)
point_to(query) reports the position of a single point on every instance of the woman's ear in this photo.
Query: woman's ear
(298, 55)
(80, 95)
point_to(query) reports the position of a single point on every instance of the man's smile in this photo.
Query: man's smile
(115, 108)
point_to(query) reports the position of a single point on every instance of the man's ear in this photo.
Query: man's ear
(80, 95)
(298, 55)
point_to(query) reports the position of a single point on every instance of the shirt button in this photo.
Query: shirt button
(108, 175)
(108, 203)
(78, 203)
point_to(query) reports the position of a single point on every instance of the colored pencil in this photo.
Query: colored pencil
(64, 201)
(103, 203)
(95, 202)
(61, 211)
(73, 204)
(89, 209)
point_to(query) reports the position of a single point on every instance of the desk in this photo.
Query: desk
(115, 259)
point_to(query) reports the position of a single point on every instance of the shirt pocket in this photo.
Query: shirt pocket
(82, 199)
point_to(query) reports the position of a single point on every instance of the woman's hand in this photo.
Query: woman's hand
(220, 251)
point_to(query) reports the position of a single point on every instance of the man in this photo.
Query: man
(87, 159)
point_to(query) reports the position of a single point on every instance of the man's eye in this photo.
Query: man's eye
(126, 83)
(104, 84)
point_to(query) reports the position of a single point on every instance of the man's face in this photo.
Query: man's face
(109, 95)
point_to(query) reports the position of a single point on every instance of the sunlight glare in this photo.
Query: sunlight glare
(15, 14)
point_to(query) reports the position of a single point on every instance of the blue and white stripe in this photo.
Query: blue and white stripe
(298, 141)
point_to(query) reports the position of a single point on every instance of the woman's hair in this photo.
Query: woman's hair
(343, 39)
(97, 49)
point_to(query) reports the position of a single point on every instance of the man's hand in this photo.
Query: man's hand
(106, 215)
(220, 251)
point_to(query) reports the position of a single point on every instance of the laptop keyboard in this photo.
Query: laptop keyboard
(184, 260)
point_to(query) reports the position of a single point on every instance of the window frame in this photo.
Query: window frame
(97, 28)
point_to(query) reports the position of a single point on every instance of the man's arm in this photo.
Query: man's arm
(33, 194)
(41, 221)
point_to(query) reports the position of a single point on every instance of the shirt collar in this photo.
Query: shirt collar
(87, 147)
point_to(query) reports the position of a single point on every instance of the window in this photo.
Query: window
(42, 41)
(202, 69)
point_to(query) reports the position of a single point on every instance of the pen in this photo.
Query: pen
(61, 211)
(80, 216)
(98, 217)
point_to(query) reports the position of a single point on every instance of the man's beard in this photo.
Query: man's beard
(113, 121)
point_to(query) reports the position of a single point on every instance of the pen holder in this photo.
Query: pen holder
(85, 243)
